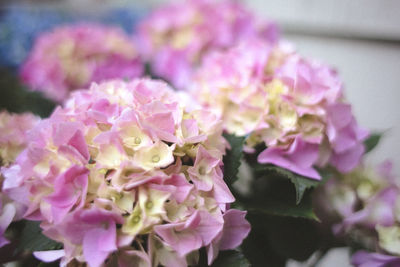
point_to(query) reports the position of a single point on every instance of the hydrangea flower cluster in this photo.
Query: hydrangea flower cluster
(365, 205)
(292, 105)
(13, 139)
(126, 172)
(175, 37)
(13, 134)
(71, 57)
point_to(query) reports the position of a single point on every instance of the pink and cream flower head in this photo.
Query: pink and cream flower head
(71, 57)
(125, 170)
(294, 106)
(176, 37)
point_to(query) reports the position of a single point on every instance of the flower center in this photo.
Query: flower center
(202, 170)
(155, 158)
(149, 205)
(136, 219)
(137, 140)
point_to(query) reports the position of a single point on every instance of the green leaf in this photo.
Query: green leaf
(32, 239)
(275, 196)
(14, 97)
(258, 251)
(302, 210)
(300, 182)
(292, 238)
(372, 141)
(326, 174)
(233, 157)
(231, 258)
(49, 264)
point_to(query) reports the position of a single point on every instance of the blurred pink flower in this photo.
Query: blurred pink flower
(345, 136)
(14, 130)
(71, 57)
(176, 37)
(363, 205)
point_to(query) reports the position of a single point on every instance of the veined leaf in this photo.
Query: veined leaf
(300, 182)
(32, 239)
(231, 258)
(302, 210)
(233, 157)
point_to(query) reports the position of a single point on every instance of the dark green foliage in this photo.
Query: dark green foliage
(272, 195)
(49, 264)
(303, 210)
(372, 141)
(228, 258)
(293, 238)
(274, 239)
(231, 258)
(32, 239)
(16, 98)
(301, 183)
(257, 248)
(233, 157)
(284, 225)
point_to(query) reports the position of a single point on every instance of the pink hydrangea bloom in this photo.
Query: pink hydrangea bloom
(71, 57)
(175, 38)
(375, 190)
(364, 203)
(292, 105)
(13, 139)
(126, 170)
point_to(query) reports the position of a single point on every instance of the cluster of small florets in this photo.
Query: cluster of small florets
(125, 172)
(71, 57)
(14, 130)
(364, 206)
(175, 38)
(293, 106)
(13, 133)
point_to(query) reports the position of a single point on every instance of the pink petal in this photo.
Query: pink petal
(348, 160)
(276, 157)
(49, 255)
(340, 114)
(209, 227)
(98, 244)
(182, 242)
(79, 143)
(236, 229)
(222, 194)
